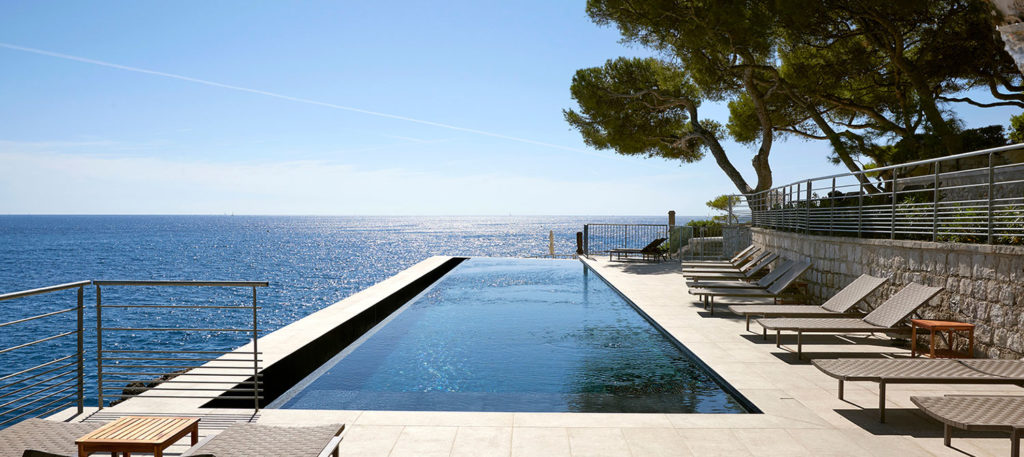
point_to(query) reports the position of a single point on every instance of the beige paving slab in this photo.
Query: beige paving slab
(655, 442)
(827, 442)
(591, 420)
(437, 418)
(483, 442)
(597, 442)
(774, 441)
(424, 441)
(308, 417)
(540, 442)
(369, 440)
(713, 442)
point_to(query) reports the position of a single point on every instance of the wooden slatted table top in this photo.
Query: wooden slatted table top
(139, 429)
(945, 325)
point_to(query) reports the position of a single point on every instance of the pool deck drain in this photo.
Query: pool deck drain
(801, 412)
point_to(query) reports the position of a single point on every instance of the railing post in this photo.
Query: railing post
(586, 240)
(860, 211)
(935, 205)
(832, 207)
(99, 348)
(807, 213)
(892, 214)
(255, 356)
(991, 197)
(81, 349)
(729, 222)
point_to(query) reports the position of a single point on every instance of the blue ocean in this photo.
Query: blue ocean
(311, 262)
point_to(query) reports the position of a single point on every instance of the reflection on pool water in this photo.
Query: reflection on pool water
(514, 335)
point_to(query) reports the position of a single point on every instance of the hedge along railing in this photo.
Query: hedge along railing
(972, 197)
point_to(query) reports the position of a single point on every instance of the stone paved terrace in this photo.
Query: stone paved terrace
(802, 415)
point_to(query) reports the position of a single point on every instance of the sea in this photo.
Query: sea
(310, 262)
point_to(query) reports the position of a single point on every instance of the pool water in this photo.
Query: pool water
(514, 335)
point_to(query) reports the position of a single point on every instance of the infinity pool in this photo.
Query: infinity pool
(514, 335)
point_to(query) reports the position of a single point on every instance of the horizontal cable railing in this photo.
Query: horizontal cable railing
(43, 372)
(161, 364)
(975, 197)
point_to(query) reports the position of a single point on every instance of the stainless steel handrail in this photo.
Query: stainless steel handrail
(941, 199)
(57, 372)
(113, 375)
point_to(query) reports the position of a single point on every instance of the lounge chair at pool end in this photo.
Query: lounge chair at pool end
(650, 251)
(977, 413)
(843, 302)
(254, 440)
(883, 319)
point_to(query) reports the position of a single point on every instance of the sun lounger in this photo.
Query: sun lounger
(696, 277)
(43, 438)
(843, 302)
(735, 261)
(42, 435)
(747, 264)
(774, 291)
(762, 283)
(990, 413)
(245, 440)
(921, 371)
(650, 251)
(883, 319)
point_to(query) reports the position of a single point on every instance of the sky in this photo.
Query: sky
(329, 108)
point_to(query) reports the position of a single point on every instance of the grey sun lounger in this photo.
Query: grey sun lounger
(697, 277)
(921, 371)
(843, 302)
(43, 438)
(774, 291)
(989, 413)
(735, 261)
(733, 282)
(51, 437)
(647, 252)
(747, 264)
(883, 319)
(245, 440)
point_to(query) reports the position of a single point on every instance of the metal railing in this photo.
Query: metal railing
(31, 389)
(160, 368)
(972, 197)
(601, 238)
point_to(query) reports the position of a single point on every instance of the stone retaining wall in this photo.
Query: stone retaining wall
(984, 283)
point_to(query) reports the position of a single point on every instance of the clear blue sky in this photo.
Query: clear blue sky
(81, 137)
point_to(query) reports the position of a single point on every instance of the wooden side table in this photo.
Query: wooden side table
(941, 326)
(138, 434)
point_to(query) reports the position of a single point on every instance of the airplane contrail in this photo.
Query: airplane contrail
(290, 98)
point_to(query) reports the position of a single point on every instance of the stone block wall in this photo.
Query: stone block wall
(984, 284)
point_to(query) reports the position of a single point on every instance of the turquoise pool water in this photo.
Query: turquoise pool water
(515, 335)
